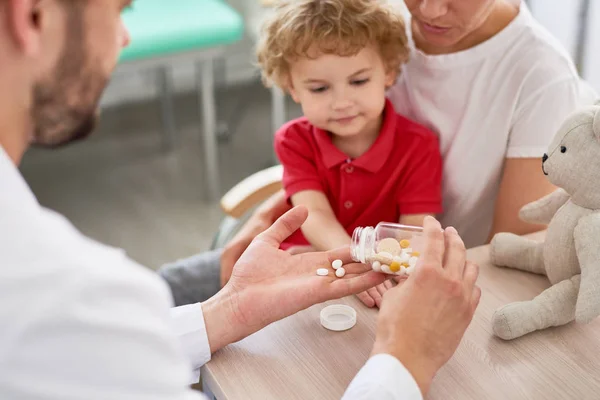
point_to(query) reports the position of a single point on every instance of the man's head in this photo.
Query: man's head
(66, 50)
(335, 57)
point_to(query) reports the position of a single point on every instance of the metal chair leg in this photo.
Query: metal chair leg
(220, 81)
(278, 117)
(277, 108)
(227, 229)
(165, 86)
(205, 73)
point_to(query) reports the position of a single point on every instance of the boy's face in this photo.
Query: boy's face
(342, 95)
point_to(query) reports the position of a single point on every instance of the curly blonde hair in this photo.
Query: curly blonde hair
(310, 28)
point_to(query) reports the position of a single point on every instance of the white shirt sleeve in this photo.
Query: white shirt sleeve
(383, 377)
(540, 115)
(101, 336)
(188, 324)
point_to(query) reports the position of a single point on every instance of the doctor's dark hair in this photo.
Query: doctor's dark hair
(310, 28)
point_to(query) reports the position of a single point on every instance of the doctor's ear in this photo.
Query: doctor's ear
(22, 21)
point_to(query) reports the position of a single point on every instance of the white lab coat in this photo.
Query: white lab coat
(80, 320)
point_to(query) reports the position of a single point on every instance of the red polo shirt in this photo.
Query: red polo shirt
(399, 174)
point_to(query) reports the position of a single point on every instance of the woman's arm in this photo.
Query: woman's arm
(522, 182)
(321, 229)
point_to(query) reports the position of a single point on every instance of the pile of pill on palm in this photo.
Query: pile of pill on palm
(394, 257)
(337, 265)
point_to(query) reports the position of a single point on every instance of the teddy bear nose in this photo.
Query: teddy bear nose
(544, 157)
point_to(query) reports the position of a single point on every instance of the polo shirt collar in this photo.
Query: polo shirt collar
(374, 158)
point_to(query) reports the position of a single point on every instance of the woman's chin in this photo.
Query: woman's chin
(438, 39)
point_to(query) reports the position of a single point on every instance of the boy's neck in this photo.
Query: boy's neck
(357, 145)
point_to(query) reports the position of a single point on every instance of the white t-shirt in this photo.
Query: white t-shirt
(504, 98)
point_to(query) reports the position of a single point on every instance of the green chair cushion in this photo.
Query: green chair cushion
(160, 27)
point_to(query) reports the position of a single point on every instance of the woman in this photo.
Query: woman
(495, 86)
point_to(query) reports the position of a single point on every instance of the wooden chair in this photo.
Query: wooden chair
(239, 202)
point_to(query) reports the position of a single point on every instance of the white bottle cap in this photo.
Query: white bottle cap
(338, 317)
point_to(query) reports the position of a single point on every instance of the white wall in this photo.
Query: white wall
(592, 61)
(562, 18)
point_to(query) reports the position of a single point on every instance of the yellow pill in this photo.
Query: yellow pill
(405, 265)
(394, 267)
(415, 254)
(404, 243)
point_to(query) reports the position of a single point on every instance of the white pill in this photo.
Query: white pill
(413, 261)
(385, 254)
(376, 266)
(403, 258)
(322, 272)
(383, 258)
(337, 264)
(408, 250)
(340, 272)
(386, 268)
(410, 270)
(389, 245)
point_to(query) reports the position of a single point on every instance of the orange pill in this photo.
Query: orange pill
(404, 243)
(405, 265)
(415, 254)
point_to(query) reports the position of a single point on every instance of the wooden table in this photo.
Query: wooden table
(298, 359)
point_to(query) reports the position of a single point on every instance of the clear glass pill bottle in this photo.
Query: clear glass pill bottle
(388, 247)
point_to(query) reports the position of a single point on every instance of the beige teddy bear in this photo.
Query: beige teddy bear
(570, 254)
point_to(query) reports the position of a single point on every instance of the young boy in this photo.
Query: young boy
(351, 160)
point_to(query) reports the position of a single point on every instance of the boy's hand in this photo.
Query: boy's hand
(373, 297)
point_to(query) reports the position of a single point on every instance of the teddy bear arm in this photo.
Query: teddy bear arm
(587, 245)
(541, 211)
